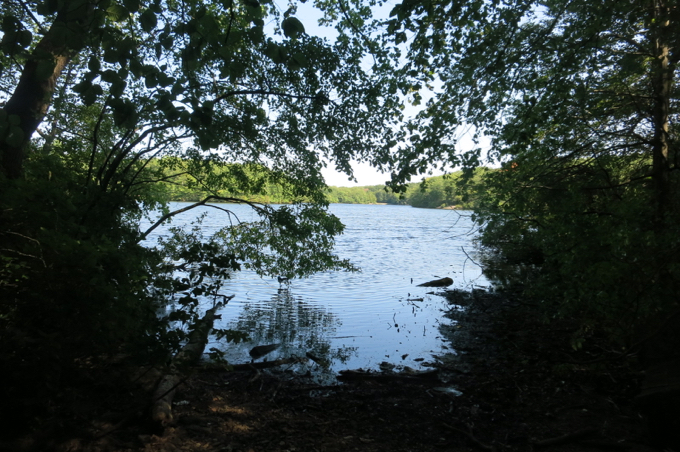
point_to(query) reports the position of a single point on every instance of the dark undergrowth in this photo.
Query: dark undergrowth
(523, 388)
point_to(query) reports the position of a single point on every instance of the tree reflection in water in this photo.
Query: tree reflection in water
(300, 328)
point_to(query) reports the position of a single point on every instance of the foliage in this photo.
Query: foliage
(453, 190)
(106, 104)
(75, 289)
(184, 181)
(351, 195)
(450, 190)
(579, 101)
(263, 187)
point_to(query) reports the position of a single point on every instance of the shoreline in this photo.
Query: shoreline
(517, 392)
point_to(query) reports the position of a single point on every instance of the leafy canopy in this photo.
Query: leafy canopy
(106, 102)
(579, 100)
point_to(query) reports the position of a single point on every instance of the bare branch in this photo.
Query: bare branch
(95, 140)
(35, 19)
(257, 206)
(468, 256)
(268, 93)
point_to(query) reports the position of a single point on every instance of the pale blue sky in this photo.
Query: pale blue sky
(363, 172)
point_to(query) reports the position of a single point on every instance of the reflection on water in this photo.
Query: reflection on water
(299, 327)
(357, 320)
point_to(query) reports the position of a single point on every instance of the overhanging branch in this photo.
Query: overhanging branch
(204, 202)
(265, 92)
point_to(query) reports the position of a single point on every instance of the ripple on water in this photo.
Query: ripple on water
(357, 319)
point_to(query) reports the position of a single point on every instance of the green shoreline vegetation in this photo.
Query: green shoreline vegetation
(435, 192)
(111, 108)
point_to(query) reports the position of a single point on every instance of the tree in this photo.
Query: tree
(187, 84)
(580, 101)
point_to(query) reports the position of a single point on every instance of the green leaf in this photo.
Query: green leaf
(83, 86)
(110, 76)
(124, 113)
(298, 61)
(117, 13)
(132, 5)
(167, 41)
(117, 88)
(253, 11)
(24, 38)
(148, 20)
(9, 24)
(236, 70)
(111, 55)
(292, 27)
(276, 52)
(150, 81)
(90, 96)
(136, 67)
(93, 64)
(164, 79)
(234, 38)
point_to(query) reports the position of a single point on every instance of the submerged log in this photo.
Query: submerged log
(444, 282)
(161, 406)
(253, 366)
(262, 350)
(267, 364)
(354, 375)
(317, 359)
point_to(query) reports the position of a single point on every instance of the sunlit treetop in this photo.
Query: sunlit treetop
(232, 81)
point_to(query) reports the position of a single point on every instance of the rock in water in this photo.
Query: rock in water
(444, 282)
(261, 350)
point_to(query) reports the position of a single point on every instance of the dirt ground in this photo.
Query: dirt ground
(521, 388)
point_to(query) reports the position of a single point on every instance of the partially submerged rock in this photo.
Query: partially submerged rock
(262, 350)
(443, 282)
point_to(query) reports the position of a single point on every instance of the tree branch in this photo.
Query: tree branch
(268, 93)
(35, 19)
(204, 202)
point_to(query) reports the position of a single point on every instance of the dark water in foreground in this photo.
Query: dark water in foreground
(357, 320)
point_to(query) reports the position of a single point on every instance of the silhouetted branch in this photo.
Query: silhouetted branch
(204, 202)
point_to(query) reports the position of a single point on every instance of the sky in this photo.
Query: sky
(363, 172)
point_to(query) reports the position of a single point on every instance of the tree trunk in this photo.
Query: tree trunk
(161, 409)
(33, 94)
(662, 82)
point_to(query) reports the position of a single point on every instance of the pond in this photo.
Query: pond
(356, 320)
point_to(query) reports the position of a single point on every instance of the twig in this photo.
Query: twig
(256, 376)
(203, 202)
(468, 256)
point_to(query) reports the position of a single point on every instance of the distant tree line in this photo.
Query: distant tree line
(451, 190)
(434, 192)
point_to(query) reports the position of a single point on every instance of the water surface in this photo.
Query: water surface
(356, 320)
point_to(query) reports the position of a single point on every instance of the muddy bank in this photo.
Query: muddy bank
(513, 384)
